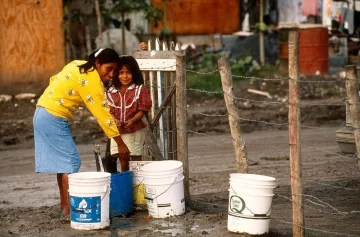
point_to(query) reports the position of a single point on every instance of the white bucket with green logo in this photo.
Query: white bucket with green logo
(250, 198)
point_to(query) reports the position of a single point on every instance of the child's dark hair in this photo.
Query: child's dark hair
(103, 56)
(131, 64)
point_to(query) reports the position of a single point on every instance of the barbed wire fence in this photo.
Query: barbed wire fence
(311, 199)
(312, 202)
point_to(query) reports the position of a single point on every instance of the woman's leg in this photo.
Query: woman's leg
(59, 181)
(63, 182)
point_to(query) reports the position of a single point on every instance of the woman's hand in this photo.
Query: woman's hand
(123, 150)
(124, 153)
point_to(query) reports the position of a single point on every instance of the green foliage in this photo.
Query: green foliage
(139, 30)
(208, 82)
(261, 27)
(154, 14)
(106, 15)
(329, 92)
(243, 65)
(266, 71)
(205, 61)
(164, 34)
(123, 6)
(77, 16)
(210, 61)
(66, 2)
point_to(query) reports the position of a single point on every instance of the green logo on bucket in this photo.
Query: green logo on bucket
(237, 204)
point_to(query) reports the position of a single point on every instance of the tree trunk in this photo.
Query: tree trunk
(98, 17)
(87, 37)
(261, 36)
(123, 41)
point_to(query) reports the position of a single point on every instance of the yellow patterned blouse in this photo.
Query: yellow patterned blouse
(70, 89)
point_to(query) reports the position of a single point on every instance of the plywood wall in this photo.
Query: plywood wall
(31, 40)
(200, 16)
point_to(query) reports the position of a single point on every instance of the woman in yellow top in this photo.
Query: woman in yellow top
(79, 83)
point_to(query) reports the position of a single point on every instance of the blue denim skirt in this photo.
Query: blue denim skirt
(55, 149)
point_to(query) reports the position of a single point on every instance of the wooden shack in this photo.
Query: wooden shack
(189, 17)
(31, 40)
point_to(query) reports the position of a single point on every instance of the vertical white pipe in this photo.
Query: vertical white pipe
(152, 89)
(160, 100)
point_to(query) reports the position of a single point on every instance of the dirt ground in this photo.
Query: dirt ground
(29, 201)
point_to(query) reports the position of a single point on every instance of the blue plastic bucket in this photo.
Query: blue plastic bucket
(121, 194)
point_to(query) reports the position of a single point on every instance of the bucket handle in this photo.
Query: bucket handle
(83, 210)
(147, 198)
(240, 211)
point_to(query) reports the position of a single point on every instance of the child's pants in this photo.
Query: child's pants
(134, 141)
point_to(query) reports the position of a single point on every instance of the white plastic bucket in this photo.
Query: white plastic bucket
(164, 188)
(138, 185)
(89, 200)
(250, 203)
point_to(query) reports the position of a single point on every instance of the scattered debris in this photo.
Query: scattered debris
(342, 75)
(25, 96)
(263, 93)
(5, 98)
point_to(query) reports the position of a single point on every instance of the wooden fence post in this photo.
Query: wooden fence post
(294, 135)
(352, 91)
(238, 141)
(181, 141)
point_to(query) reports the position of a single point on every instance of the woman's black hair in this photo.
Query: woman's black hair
(131, 64)
(103, 56)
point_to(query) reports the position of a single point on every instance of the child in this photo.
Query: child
(129, 100)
